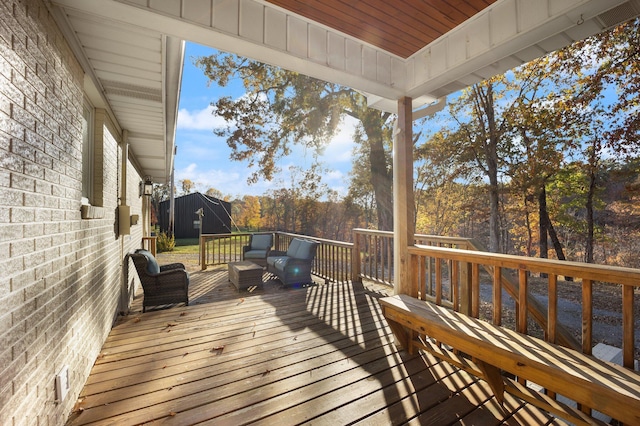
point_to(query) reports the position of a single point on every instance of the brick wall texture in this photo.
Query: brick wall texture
(61, 276)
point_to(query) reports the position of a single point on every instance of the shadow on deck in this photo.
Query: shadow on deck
(321, 354)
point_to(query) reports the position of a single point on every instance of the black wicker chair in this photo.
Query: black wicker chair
(162, 285)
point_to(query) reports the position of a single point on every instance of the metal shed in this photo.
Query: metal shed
(216, 217)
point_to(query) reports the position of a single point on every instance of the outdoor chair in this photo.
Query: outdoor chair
(162, 285)
(293, 267)
(258, 249)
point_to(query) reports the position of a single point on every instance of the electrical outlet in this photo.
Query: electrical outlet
(62, 384)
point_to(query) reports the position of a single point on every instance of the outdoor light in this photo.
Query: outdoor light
(146, 187)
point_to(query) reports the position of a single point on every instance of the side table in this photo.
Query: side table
(245, 274)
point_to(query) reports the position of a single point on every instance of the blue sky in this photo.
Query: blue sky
(204, 158)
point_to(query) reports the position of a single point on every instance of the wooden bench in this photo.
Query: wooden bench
(489, 351)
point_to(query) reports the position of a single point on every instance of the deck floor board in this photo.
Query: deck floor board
(322, 354)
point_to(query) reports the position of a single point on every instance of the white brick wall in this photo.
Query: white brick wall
(60, 276)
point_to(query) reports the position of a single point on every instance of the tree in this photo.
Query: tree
(542, 129)
(607, 125)
(160, 193)
(438, 197)
(480, 142)
(281, 108)
(187, 186)
(212, 192)
(250, 216)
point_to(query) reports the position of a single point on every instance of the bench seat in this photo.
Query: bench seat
(491, 350)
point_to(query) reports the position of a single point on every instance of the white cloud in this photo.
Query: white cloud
(199, 119)
(232, 180)
(204, 158)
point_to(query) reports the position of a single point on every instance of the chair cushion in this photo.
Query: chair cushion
(279, 260)
(304, 250)
(255, 254)
(261, 242)
(152, 264)
(293, 247)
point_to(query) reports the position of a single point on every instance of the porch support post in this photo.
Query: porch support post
(403, 204)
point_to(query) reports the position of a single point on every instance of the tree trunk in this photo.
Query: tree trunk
(528, 223)
(549, 229)
(542, 223)
(485, 106)
(590, 219)
(381, 177)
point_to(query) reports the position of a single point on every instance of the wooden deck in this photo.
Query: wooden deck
(321, 354)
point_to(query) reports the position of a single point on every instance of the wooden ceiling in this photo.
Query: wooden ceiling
(401, 27)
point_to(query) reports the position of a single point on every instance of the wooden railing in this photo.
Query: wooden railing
(458, 271)
(150, 244)
(373, 252)
(217, 249)
(373, 255)
(333, 258)
(448, 271)
(332, 261)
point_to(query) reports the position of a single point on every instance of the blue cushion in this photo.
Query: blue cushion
(281, 263)
(293, 247)
(255, 254)
(152, 264)
(304, 250)
(261, 242)
(277, 260)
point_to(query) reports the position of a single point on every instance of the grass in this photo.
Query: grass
(186, 246)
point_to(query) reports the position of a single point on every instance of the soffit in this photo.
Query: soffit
(423, 49)
(134, 74)
(401, 27)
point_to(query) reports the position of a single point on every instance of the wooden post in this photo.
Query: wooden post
(355, 259)
(203, 254)
(403, 205)
(466, 276)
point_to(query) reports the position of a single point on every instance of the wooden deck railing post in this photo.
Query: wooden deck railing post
(355, 259)
(203, 256)
(403, 205)
(466, 277)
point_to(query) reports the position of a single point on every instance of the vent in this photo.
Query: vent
(619, 14)
(132, 91)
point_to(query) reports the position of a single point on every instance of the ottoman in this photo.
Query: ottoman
(245, 274)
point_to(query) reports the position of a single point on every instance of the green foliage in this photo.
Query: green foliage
(282, 108)
(165, 242)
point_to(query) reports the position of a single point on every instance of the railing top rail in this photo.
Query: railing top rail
(604, 273)
(320, 240)
(436, 238)
(373, 232)
(444, 239)
(236, 234)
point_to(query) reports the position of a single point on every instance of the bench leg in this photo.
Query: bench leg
(401, 334)
(493, 377)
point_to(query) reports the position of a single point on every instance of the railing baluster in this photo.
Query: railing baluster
(438, 281)
(587, 315)
(455, 284)
(415, 287)
(523, 282)
(475, 290)
(628, 340)
(497, 295)
(552, 316)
